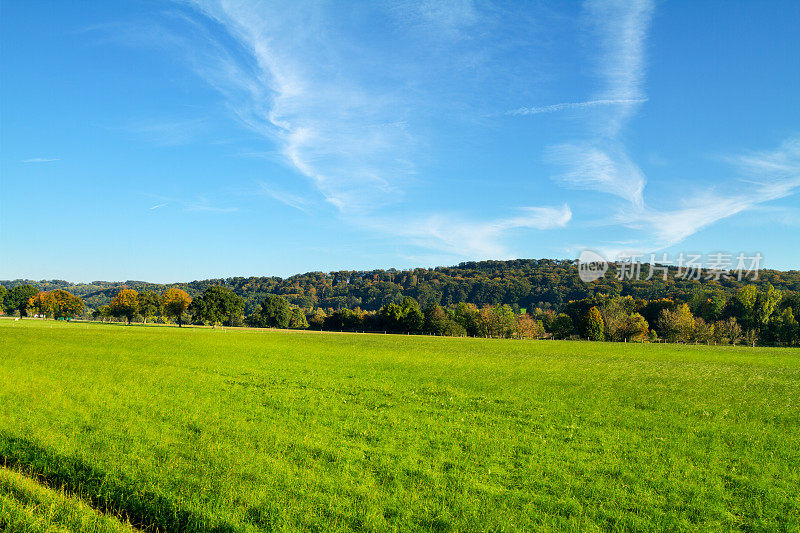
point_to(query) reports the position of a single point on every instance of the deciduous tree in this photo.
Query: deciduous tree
(728, 331)
(176, 302)
(298, 319)
(593, 326)
(42, 304)
(703, 331)
(677, 325)
(218, 305)
(125, 304)
(56, 304)
(528, 328)
(274, 312)
(766, 303)
(635, 328)
(149, 304)
(562, 326)
(413, 319)
(18, 297)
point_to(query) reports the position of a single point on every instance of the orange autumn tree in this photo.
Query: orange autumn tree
(56, 304)
(42, 304)
(176, 302)
(125, 304)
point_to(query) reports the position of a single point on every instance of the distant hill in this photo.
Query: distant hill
(544, 283)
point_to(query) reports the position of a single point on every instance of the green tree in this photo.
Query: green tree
(785, 328)
(751, 337)
(125, 304)
(743, 305)
(3, 293)
(18, 297)
(562, 326)
(391, 317)
(468, 317)
(435, 319)
(505, 319)
(149, 304)
(593, 326)
(703, 331)
(176, 302)
(728, 331)
(317, 320)
(413, 319)
(635, 328)
(102, 313)
(298, 319)
(218, 305)
(343, 320)
(616, 313)
(677, 325)
(274, 312)
(766, 303)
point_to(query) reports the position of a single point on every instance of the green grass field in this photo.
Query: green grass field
(205, 430)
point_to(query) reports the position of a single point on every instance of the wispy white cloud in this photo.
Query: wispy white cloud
(566, 106)
(762, 176)
(41, 160)
(344, 117)
(601, 166)
(292, 85)
(470, 238)
(196, 204)
(338, 105)
(202, 205)
(620, 28)
(292, 200)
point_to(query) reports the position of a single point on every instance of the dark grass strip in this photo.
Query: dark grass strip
(112, 495)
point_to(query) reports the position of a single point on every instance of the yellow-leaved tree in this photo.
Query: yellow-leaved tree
(176, 302)
(125, 304)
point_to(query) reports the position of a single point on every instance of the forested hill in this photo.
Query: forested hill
(544, 283)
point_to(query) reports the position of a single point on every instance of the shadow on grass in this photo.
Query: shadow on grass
(109, 494)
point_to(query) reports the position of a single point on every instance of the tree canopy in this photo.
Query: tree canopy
(274, 312)
(56, 304)
(18, 297)
(176, 302)
(218, 305)
(125, 304)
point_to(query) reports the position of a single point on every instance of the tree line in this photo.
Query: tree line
(750, 315)
(523, 283)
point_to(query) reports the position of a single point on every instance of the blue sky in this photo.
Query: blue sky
(171, 141)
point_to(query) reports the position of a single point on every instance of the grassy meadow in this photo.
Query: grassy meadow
(104, 428)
